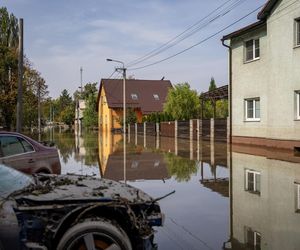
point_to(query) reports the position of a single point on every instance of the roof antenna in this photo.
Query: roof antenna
(162, 78)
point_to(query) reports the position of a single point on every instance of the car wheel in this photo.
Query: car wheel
(93, 235)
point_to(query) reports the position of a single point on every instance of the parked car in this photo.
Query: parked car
(74, 212)
(28, 155)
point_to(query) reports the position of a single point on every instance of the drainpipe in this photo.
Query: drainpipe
(230, 89)
(230, 142)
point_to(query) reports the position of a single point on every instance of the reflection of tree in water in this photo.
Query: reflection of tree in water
(65, 142)
(180, 168)
(90, 143)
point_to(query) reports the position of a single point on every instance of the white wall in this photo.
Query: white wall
(273, 78)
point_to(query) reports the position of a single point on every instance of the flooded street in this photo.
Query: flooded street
(257, 209)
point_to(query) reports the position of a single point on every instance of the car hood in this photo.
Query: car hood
(52, 189)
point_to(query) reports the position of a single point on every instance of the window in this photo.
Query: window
(252, 109)
(12, 145)
(297, 197)
(297, 105)
(253, 239)
(252, 181)
(252, 50)
(156, 97)
(134, 96)
(297, 32)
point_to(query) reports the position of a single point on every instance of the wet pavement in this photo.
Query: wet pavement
(245, 199)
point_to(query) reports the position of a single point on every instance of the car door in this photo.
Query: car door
(17, 152)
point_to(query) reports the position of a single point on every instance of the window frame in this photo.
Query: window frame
(254, 118)
(297, 32)
(254, 57)
(253, 241)
(297, 102)
(297, 196)
(255, 173)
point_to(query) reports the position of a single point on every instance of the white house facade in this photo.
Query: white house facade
(265, 77)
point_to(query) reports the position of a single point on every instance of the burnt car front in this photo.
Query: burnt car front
(83, 212)
(11, 181)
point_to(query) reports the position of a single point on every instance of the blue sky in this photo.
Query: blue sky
(63, 35)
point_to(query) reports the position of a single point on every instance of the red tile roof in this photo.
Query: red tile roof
(144, 89)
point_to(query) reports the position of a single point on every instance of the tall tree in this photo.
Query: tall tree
(212, 84)
(8, 66)
(182, 102)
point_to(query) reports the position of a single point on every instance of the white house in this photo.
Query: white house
(265, 77)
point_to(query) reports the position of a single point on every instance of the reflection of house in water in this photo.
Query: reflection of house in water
(265, 199)
(139, 164)
(80, 150)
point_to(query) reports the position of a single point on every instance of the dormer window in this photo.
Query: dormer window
(134, 96)
(252, 50)
(156, 97)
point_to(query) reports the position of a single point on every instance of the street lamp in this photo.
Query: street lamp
(123, 69)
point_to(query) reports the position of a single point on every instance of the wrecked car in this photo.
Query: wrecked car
(27, 155)
(74, 212)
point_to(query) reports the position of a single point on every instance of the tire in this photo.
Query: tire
(94, 235)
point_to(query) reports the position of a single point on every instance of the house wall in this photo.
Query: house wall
(104, 113)
(110, 118)
(273, 212)
(274, 78)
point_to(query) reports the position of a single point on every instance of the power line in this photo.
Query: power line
(190, 233)
(185, 34)
(112, 74)
(202, 41)
(174, 38)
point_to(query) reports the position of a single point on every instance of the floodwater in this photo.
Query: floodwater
(225, 197)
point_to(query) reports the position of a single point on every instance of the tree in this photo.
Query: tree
(90, 118)
(64, 108)
(182, 102)
(88, 89)
(8, 65)
(212, 84)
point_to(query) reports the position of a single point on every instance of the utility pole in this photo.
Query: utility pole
(81, 80)
(123, 69)
(39, 110)
(20, 79)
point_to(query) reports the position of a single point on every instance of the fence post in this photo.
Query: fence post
(145, 134)
(157, 135)
(198, 139)
(128, 132)
(191, 139)
(228, 129)
(135, 132)
(176, 137)
(212, 129)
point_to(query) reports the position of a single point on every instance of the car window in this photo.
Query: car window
(27, 146)
(12, 180)
(10, 145)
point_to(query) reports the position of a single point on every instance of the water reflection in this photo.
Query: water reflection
(247, 198)
(264, 199)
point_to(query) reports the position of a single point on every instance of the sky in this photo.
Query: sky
(60, 36)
